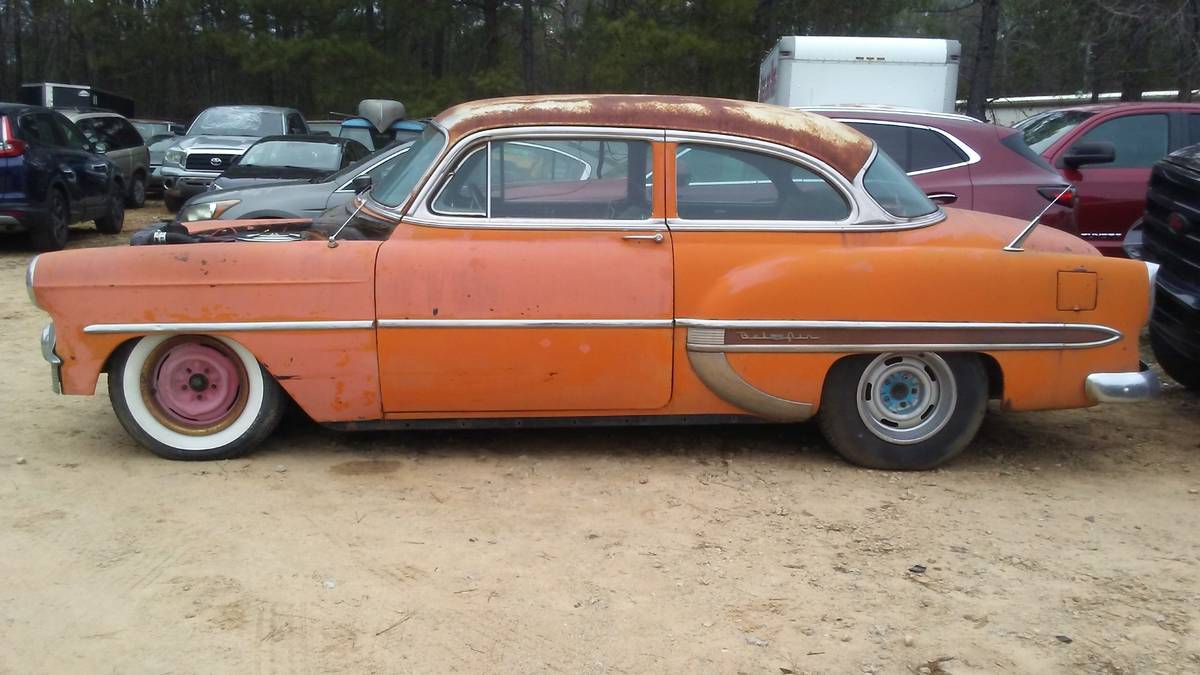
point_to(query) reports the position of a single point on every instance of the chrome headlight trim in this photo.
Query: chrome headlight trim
(174, 157)
(29, 272)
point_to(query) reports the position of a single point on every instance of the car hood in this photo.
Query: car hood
(158, 149)
(198, 143)
(236, 181)
(260, 190)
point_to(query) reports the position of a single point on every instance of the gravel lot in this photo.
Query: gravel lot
(1060, 542)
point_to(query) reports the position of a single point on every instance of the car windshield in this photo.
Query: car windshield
(297, 154)
(1040, 133)
(394, 150)
(894, 190)
(237, 122)
(395, 187)
(149, 130)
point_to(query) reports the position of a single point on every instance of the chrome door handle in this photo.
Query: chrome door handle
(657, 237)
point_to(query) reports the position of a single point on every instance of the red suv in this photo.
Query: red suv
(1107, 152)
(960, 161)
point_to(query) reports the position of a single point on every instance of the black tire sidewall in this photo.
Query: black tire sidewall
(173, 204)
(268, 417)
(54, 233)
(137, 193)
(1182, 369)
(844, 428)
(113, 220)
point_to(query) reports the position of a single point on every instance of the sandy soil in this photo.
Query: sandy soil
(1060, 542)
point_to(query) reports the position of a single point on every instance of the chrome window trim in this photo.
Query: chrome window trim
(346, 186)
(236, 326)
(526, 323)
(419, 211)
(445, 182)
(972, 156)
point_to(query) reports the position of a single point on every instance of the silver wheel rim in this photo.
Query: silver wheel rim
(906, 398)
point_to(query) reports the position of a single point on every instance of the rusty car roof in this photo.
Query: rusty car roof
(843, 148)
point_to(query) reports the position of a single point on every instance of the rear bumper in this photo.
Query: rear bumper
(1122, 387)
(20, 217)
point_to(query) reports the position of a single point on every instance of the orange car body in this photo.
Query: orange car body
(486, 318)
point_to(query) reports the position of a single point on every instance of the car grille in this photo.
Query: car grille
(1173, 189)
(204, 161)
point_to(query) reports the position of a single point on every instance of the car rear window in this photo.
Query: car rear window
(894, 190)
(1015, 141)
(1049, 127)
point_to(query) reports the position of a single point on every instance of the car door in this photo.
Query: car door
(93, 171)
(1111, 196)
(516, 287)
(935, 162)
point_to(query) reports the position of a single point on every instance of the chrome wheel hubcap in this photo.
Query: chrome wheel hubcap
(906, 398)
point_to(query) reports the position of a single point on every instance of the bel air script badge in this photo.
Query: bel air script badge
(764, 336)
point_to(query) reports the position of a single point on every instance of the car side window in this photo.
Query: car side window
(295, 125)
(125, 133)
(1139, 140)
(1193, 125)
(37, 128)
(720, 183)
(69, 134)
(931, 150)
(544, 179)
(890, 138)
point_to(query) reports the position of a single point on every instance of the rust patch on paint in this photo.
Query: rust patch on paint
(836, 144)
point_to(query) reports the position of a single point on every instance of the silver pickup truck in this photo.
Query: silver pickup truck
(217, 137)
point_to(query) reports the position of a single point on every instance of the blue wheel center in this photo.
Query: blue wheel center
(900, 392)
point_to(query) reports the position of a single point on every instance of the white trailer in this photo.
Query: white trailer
(916, 73)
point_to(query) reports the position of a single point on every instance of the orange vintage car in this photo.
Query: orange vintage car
(609, 260)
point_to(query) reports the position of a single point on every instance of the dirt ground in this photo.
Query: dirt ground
(1063, 542)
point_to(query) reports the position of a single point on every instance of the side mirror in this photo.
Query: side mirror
(1096, 152)
(361, 184)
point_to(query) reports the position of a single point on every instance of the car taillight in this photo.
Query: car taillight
(10, 145)
(1063, 195)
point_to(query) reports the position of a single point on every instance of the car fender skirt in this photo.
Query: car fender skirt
(715, 371)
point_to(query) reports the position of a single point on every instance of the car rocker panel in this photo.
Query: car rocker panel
(893, 329)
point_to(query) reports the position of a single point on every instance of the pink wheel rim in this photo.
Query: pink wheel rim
(194, 385)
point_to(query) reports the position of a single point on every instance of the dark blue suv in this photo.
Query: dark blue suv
(51, 176)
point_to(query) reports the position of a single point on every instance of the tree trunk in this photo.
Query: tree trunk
(491, 32)
(1189, 48)
(527, 46)
(985, 58)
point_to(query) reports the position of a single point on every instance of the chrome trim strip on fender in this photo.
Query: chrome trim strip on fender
(525, 323)
(49, 342)
(1122, 387)
(243, 326)
(874, 336)
(718, 375)
(29, 272)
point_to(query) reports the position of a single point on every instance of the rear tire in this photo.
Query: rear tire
(113, 220)
(903, 412)
(173, 204)
(1181, 368)
(53, 234)
(193, 397)
(136, 198)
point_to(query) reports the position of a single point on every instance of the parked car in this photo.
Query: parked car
(960, 161)
(50, 177)
(276, 158)
(326, 127)
(217, 137)
(478, 285)
(1106, 151)
(113, 135)
(293, 199)
(156, 130)
(1168, 234)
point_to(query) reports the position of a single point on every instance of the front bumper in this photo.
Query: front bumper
(1122, 387)
(48, 342)
(183, 184)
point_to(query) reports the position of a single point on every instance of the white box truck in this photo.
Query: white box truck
(916, 73)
